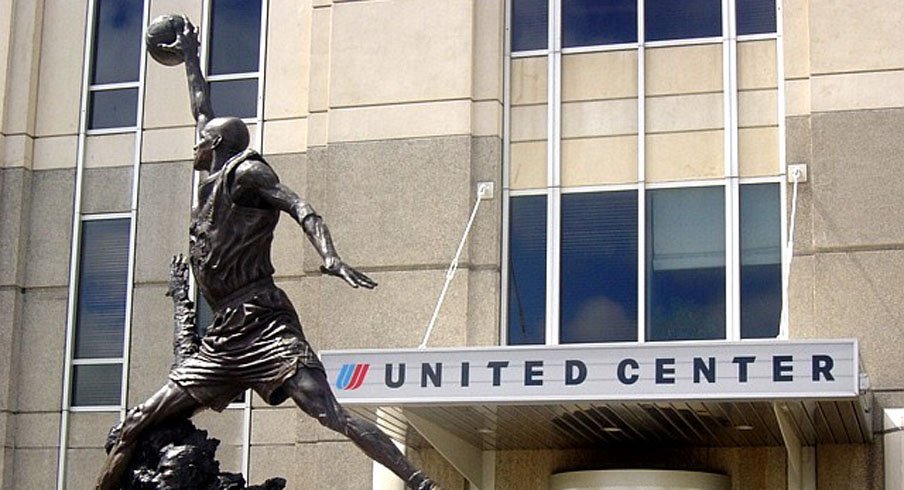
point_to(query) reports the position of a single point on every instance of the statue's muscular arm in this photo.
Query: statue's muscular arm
(255, 184)
(187, 45)
(197, 85)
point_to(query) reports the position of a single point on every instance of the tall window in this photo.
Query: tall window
(115, 65)
(598, 267)
(233, 66)
(644, 171)
(101, 315)
(527, 271)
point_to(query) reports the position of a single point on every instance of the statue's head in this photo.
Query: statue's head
(185, 467)
(226, 135)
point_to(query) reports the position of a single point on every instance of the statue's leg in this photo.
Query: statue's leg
(311, 392)
(169, 401)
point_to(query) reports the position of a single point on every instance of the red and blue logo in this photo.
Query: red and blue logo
(351, 376)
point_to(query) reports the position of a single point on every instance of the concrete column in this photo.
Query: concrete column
(20, 47)
(20, 44)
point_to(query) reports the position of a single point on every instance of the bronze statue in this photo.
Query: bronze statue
(256, 340)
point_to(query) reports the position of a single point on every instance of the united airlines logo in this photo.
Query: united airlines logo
(351, 376)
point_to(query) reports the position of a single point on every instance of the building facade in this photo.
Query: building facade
(667, 181)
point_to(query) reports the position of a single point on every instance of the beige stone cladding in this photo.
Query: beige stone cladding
(841, 65)
(684, 113)
(528, 123)
(850, 238)
(758, 132)
(599, 118)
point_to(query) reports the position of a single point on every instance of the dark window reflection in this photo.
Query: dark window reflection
(235, 30)
(685, 253)
(761, 261)
(682, 19)
(599, 267)
(102, 288)
(755, 16)
(94, 385)
(527, 271)
(529, 24)
(203, 315)
(595, 22)
(237, 98)
(117, 41)
(113, 108)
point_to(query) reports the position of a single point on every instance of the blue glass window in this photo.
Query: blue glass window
(685, 252)
(113, 108)
(102, 288)
(96, 385)
(235, 30)
(755, 16)
(527, 271)
(682, 19)
(203, 315)
(761, 261)
(599, 267)
(236, 98)
(530, 20)
(117, 41)
(596, 22)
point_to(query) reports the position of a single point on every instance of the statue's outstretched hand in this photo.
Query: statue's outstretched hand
(186, 43)
(353, 277)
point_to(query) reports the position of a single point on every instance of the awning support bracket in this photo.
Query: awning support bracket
(465, 457)
(801, 459)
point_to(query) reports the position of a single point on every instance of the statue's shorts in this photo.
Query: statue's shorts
(255, 342)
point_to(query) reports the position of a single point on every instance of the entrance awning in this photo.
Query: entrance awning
(701, 394)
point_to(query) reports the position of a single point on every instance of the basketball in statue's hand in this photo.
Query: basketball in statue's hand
(161, 39)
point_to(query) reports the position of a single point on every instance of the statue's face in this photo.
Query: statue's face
(204, 151)
(180, 469)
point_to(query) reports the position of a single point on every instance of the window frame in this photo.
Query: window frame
(122, 360)
(553, 190)
(206, 22)
(92, 88)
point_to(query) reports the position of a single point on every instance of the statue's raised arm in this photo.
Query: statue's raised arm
(173, 39)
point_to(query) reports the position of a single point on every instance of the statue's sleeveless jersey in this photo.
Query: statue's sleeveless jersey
(230, 243)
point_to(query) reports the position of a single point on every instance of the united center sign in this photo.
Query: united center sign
(626, 372)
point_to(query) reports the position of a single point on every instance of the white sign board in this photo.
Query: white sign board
(754, 370)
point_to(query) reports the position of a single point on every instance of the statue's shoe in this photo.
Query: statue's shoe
(419, 481)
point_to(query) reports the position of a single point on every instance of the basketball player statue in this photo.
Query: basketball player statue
(255, 340)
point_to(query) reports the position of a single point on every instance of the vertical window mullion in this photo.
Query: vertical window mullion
(133, 226)
(783, 163)
(732, 212)
(553, 98)
(233, 89)
(259, 143)
(75, 249)
(506, 172)
(641, 175)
